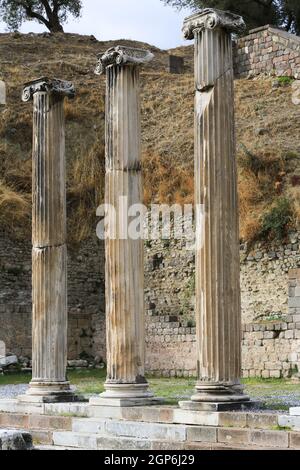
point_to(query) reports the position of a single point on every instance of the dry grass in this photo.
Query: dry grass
(14, 210)
(267, 128)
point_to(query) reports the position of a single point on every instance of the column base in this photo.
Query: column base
(125, 395)
(50, 392)
(218, 406)
(218, 397)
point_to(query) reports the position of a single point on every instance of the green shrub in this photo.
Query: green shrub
(285, 81)
(276, 221)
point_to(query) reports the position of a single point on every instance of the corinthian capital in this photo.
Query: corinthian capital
(121, 55)
(59, 87)
(212, 19)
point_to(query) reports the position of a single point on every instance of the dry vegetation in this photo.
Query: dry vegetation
(268, 135)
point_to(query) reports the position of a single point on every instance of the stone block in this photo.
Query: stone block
(201, 434)
(269, 334)
(292, 422)
(236, 420)
(195, 418)
(2, 350)
(233, 436)
(289, 334)
(294, 302)
(270, 439)
(275, 374)
(295, 440)
(13, 420)
(176, 64)
(261, 420)
(8, 361)
(15, 440)
(152, 431)
(50, 422)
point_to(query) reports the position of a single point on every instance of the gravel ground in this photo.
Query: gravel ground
(12, 391)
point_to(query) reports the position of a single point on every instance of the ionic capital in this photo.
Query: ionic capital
(44, 84)
(122, 55)
(209, 18)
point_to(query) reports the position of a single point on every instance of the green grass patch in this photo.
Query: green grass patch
(281, 428)
(274, 394)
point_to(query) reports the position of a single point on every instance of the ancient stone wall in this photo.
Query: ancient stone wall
(86, 333)
(271, 345)
(268, 50)
(271, 320)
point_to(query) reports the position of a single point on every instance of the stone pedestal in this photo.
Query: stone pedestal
(218, 309)
(125, 324)
(49, 254)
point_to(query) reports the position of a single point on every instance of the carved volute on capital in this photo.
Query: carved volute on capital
(209, 18)
(44, 84)
(121, 55)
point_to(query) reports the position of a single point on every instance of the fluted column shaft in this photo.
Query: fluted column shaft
(49, 253)
(124, 258)
(218, 306)
(125, 322)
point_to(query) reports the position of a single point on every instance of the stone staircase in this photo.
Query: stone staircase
(99, 434)
(79, 427)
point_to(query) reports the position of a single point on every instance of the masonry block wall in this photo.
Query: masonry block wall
(86, 334)
(267, 50)
(271, 328)
(270, 282)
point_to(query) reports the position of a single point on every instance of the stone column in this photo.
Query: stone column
(49, 254)
(218, 308)
(125, 324)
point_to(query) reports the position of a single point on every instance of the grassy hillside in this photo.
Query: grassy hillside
(268, 136)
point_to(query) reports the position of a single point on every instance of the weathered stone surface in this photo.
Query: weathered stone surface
(218, 304)
(176, 64)
(49, 254)
(8, 361)
(233, 436)
(295, 411)
(292, 422)
(125, 323)
(270, 438)
(267, 51)
(2, 93)
(15, 440)
(153, 431)
(122, 55)
(49, 86)
(78, 363)
(2, 350)
(201, 434)
(209, 18)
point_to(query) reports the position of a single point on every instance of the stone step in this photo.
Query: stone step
(52, 447)
(42, 422)
(295, 411)
(69, 440)
(154, 431)
(90, 426)
(95, 434)
(292, 422)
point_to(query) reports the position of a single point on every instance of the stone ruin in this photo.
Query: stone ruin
(2, 93)
(2, 349)
(176, 64)
(218, 305)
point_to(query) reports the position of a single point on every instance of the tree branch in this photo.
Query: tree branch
(33, 14)
(47, 8)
